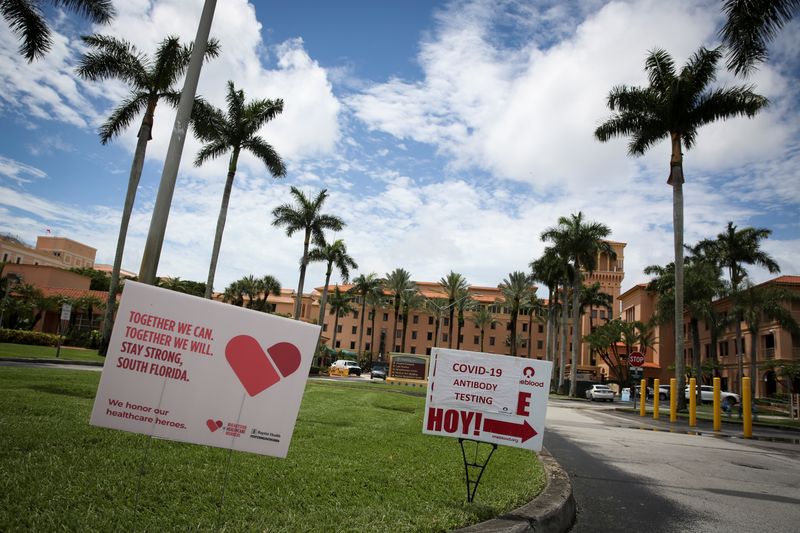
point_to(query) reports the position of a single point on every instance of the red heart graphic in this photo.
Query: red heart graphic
(213, 425)
(253, 367)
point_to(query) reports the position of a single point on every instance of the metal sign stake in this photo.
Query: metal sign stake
(476, 465)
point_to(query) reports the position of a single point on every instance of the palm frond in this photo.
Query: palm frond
(267, 154)
(211, 150)
(722, 104)
(751, 24)
(699, 72)
(208, 122)
(122, 116)
(660, 69)
(98, 11)
(112, 58)
(26, 21)
(260, 112)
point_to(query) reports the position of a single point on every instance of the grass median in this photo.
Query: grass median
(25, 351)
(358, 462)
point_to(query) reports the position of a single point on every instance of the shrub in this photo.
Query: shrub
(35, 338)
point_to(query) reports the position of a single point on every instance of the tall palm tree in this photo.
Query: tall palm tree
(306, 216)
(376, 299)
(436, 307)
(234, 131)
(535, 308)
(756, 303)
(514, 289)
(549, 269)
(483, 319)
(463, 303)
(579, 243)
(592, 297)
(258, 291)
(750, 26)
(674, 106)
(397, 282)
(150, 79)
(25, 19)
(732, 250)
(333, 255)
(454, 285)
(340, 306)
(235, 293)
(364, 286)
(411, 300)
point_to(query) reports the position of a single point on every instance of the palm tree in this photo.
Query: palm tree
(24, 18)
(549, 269)
(756, 303)
(534, 306)
(731, 250)
(454, 286)
(233, 132)
(483, 319)
(305, 216)
(750, 26)
(579, 243)
(410, 300)
(592, 297)
(463, 303)
(514, 289)
(364, 286)
(674, 106)
(235, 293)
(340, 306)
(150, 79)
(436, 307)
(397, 282)
(376, 300)
(334, 254)
(258, 291)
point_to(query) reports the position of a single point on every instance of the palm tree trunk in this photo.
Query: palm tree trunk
(361, 325)
(223, 215)
(405, 331)
(576, 332)
(698, 371)
(563, 350)
(450, 331)
(530, 331)
(436, 330)
(513, 335)
(303, 263)
(676, 180)
(335, 330)
(483, 331)
(394, 330)
(739, 352)
(549, 338)
(372, 337)
(324, 300)
(130, 196)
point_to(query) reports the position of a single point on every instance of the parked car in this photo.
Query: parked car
(351, 366)
(663, 392)
(600, 392)
(728, 399)
(379, 370)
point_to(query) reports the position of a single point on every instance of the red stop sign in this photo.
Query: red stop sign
(636, 359)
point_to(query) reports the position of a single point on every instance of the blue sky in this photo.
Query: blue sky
(448, 134)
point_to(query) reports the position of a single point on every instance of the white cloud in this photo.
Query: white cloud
(19, 172)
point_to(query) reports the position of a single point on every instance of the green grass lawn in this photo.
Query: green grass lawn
(358, 462)
(8, 349)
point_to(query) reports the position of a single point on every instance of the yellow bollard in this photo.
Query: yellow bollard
(642, 397)
(692, 402)
(673, 400)
(747, 409)
(717, 406)
(656, 397)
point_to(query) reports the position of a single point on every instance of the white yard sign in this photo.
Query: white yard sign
(188, 369)
(487, 397)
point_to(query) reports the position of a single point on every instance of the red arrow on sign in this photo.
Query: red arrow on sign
(524, 431)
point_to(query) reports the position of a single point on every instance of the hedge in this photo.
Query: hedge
(20, 336)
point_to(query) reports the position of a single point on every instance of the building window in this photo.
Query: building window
(413, 349)
(491, 341)
(399, 334)
(339, 328)
(19, 259)
(539, 345)
(367, 347)
(446, 321)
(369, 331)
(524, 343)
(415, 319)
(444, 337)
(5, 258)
(476, 339)
(355, 313)
(338, 344)
(492, 325)
(324, 327)
(430, 336)
(602, 313)
(541, 328)
(354, 330)
(524, 327)
(385, 317)
(630, 314)
(413, 335)
(396, 347)
(430, 320)
(352, 345)
(723, 348)
(594, 313)
(427, 351)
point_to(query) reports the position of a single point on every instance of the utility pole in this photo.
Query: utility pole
(158, 223)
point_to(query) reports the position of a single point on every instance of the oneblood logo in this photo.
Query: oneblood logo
(529, 372)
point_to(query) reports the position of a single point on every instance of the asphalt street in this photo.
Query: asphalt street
(631, 475)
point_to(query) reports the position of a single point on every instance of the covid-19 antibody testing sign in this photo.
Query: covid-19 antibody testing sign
(487, 397)
(188, 369)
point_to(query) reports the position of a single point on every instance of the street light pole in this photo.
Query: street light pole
(158, 223)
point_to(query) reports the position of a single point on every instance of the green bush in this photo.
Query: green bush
(314, 371)
(36, 338)
(84, 339)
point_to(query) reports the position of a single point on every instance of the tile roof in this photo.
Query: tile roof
(74, 293)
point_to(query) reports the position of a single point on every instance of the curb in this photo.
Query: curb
(552, 511)
(50, 361)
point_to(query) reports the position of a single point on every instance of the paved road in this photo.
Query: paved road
(631, 479)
